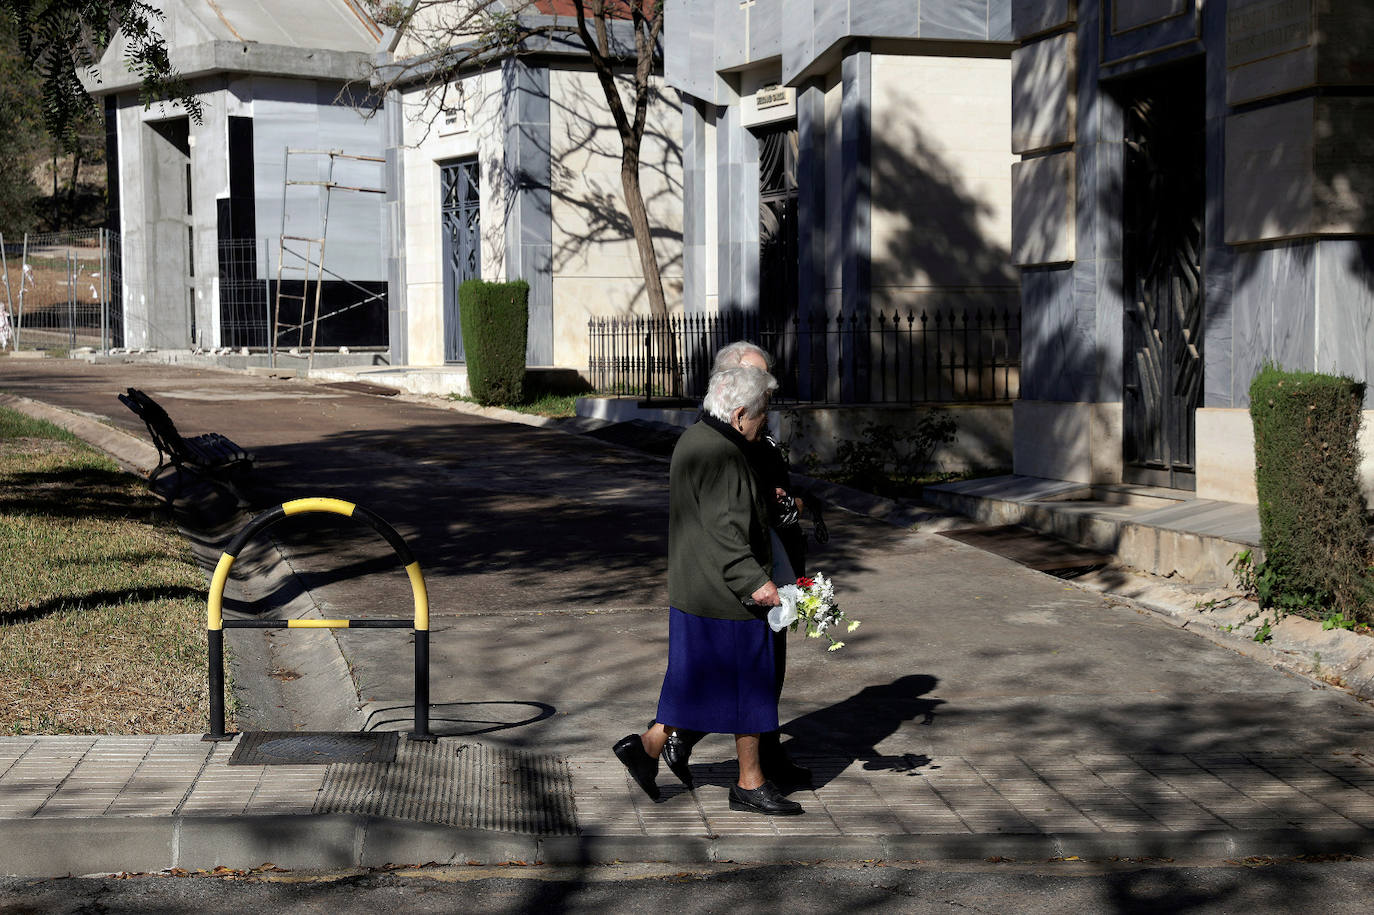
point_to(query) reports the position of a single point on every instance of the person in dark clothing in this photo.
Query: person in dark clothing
(720, 675)
(785, 506)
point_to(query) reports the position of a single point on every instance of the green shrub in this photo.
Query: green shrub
(1312, 520)
(495, 319)
(885, 452)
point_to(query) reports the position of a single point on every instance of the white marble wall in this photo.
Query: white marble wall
(596, 268)
(426, 147)
(941, 183)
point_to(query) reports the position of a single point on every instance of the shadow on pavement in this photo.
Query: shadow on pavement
(852, 728)
(462, 719)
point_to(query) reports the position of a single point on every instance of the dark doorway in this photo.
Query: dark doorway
(778, 226)
(461, 214)
(1162, 212)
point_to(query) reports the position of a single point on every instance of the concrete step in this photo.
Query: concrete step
(1121, 494)
(1163, 532)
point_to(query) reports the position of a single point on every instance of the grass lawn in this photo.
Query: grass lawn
(555, 405)
(102, 627)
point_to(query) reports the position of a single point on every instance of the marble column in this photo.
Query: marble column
(529, 219)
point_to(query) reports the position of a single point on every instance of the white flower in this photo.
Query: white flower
(783, 615)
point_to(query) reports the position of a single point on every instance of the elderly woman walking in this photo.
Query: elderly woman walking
(721, 675)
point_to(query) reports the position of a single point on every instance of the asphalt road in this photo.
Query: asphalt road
(1334, 888)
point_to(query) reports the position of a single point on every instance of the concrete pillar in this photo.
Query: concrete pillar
(529, 220)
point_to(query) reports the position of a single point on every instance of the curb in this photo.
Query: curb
(126, 449)
(55, 847)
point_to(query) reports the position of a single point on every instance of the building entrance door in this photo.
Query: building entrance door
(778, 226)
(1162, 268)
(461, 221)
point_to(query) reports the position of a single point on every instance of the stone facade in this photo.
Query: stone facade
(1287, 229)
(902, 118)
(552, 206)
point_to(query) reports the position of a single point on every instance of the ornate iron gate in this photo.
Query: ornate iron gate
(462, 255)
(1162, 267)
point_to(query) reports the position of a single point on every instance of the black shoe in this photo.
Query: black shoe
(765, 799)
(677, 749)
(643, 767)
(778, 767)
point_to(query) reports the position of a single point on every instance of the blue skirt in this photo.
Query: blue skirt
(722, 675)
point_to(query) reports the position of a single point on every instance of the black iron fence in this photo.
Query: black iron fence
(972, 355)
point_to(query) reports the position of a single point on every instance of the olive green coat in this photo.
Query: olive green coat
(719, 551)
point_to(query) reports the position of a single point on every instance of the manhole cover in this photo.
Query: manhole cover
(293, 748)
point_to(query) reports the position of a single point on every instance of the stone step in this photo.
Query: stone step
(1162, 532)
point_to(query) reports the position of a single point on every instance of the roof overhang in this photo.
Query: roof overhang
(239, 58)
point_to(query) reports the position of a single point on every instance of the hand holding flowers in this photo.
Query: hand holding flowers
(812, 601)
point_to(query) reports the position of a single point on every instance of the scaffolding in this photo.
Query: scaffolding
(309, 256)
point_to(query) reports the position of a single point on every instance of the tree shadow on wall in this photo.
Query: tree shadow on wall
(585, 203)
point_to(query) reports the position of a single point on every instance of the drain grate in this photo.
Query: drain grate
(296, 748)
(459, 784)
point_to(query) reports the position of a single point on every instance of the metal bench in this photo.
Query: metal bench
(210, 455)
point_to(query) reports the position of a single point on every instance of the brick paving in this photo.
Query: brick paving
(179, 775)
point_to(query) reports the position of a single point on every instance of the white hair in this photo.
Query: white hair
(741, 386)
(733, 354)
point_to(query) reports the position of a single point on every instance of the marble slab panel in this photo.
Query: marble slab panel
(1345, 311)
(765, 29)
(1346, 45)
(1344, 165)
(1278, 46)
(891, 18)
(831, 23)
(1045, 298)
(957, 19)
(1292, 287)
(1108, 319)
(1031, 17)
(999, 20)
(1252, 308)
(1042, 220)
(1133, 14)
(1217, 270)
(1270, 157)
(1043, 75)
(1139, 27)
(731, 34)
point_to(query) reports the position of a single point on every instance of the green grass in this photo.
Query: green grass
(101, 607)
(554, 405)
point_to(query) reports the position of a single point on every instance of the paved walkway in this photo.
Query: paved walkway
(984, 710)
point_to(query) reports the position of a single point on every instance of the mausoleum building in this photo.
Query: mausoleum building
(1194, 197)
(201, 205)
(844, 159)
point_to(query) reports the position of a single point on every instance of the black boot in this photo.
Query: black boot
(677, 750)
(643, 767)
(778, 767)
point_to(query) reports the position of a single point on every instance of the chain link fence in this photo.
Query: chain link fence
(59, 291)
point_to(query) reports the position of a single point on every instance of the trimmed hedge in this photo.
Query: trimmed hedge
(495, 319)
(1312, 519)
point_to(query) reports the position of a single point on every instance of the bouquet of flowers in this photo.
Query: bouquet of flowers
(811, 601)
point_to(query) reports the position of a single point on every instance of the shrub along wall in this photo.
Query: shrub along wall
(1312, 522)
(495, 319)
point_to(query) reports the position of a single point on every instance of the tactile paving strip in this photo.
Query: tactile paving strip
(304, 748)
(458, 784)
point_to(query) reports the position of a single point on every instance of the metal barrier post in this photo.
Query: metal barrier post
(216, 623)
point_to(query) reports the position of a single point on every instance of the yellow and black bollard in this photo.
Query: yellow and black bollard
(216, 623)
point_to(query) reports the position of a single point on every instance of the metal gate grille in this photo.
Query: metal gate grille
(1163, 270)
(462, 228)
